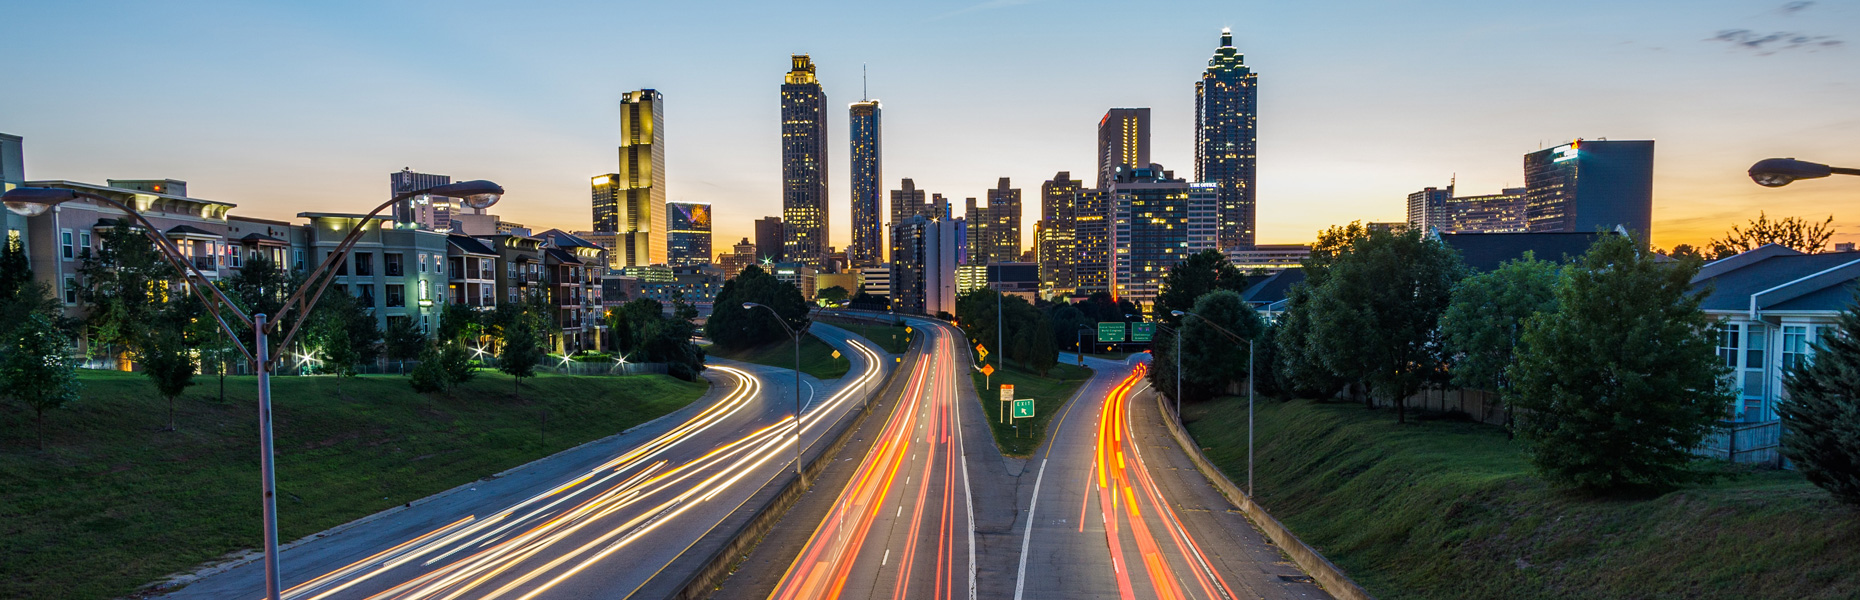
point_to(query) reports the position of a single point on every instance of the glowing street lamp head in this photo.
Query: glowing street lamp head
(1176, 313)
(477, 193)
(31, 202)
(1778, 172)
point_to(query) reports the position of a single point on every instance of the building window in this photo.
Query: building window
(364, 264)
(1795, 346)
(298, 260)
(393, 264)
(396, 295)
(1727, 344)
(64, 244)
(71, 290)
(365, 293)
(422, 263)
(1755, 340)
(84, 243)
(232, 256)
(423, 290)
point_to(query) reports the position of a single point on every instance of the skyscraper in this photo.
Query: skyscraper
(908, 201)
(1159, 222)
(1584, 186)
(423, 211)
(1057, 239)
(1428, 208)
(1093, 233)
(1226, 135)
(868, 241)
(994, 227)
(1502, 212)
(804, 164)
(631, 202)
(769, 239)
(923, 266)
(1123, 139)
(688, 234)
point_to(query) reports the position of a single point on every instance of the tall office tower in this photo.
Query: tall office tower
(1428, 208)
(908, 201)
(1092, 233)
(1502, 212)
(1226, 138)
(1123, 140)
(804, 165)
(687, 234)
(1584, 186)
(631, 202)
(1159, 222)
(1057, 234)
(423, 211)
(1003, 239)
(923, 266)
(769, 239)
(868, 242)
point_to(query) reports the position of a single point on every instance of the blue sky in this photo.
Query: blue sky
(286, 107)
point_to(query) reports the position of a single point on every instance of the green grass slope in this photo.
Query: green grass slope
(1049, 396)
(816, 357)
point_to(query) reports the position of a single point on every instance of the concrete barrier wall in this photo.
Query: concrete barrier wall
(1307, 558)
(717, 566)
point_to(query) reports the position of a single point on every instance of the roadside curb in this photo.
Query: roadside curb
(1326, 574)
(245, 557)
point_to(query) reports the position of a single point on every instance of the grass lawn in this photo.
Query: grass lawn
(892, 338)
(1049, 396)
(816, 357)
(113, 503)
(1449, 509)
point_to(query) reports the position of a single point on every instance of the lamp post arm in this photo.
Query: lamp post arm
(1230, 335)
(326, 273)
(1843, 171)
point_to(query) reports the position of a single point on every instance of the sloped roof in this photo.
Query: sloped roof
(191, 230)
(1486, 251)
(1778, 279)
(469, 245)
(561, 256)
(1272, 289)
(254, 238)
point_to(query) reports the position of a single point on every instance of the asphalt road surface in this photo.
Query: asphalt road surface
(598, 521)
(1117, 511)
(904, 526)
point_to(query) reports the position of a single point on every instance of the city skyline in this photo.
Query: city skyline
(1327, 107)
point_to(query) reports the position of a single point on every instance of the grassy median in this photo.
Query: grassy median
(816, 357)
(1048, 393)
(114, 503)
(1450, 509)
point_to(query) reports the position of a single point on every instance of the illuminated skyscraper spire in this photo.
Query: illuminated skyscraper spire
(804, 164)
(1226, 116)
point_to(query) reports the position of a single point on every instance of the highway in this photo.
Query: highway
(1117, 511)
(597, 521)
(904, 525)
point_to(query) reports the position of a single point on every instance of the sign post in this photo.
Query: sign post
(1142, 332)
(988, 371)
(1007, 395)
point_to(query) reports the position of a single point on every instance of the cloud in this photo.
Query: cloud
(1771, 43)
(1794, 7)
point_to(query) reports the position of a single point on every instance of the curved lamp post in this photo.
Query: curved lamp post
(1249, 387)
(796, 335)
(31, 202)
(1778, 172)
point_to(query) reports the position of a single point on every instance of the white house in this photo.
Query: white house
(1773, 304)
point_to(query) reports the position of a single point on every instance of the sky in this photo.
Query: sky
(285, 107)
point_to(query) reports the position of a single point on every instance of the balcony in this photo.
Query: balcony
(205, 263)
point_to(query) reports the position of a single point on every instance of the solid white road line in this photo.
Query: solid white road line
(1020, 581)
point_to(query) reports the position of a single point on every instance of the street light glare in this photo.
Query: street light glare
(31, 202)
(1175, 313)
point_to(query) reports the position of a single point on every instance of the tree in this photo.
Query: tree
(620, 329)
(343, 333)
(1617, 386)
(169, 363)
(1066, 321)
(457, 362)
(1821, 413)
(429, 376)
(125, 282)
(1210, 359)
(459, 323)
(36, 367)
(1375, 317)
(867, 301)
(1686, 252)
(733, 327)
(1042, 353)
(832, 296)
(20, 295)
(1298, 364)
(404, 339)
(1485, 319)
(522, 350)
(1793, 232)
(1188, 280)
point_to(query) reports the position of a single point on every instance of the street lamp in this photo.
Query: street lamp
(1249, 387)
(797, 379)
(1778, 172)
(32, 202)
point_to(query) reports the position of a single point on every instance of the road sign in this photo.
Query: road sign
(989, 370)
(1007, 392)
(907, 329)
(1023, 408)
(836, 354)
(1142, 332)
(1111, 331)
(979, 349)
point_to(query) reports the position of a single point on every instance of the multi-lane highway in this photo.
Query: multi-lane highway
(1117, 511)
(595, 522)
(904, 526)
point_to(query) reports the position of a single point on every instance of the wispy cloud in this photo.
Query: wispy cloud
(1771, 43)
(1794, 7)
(989, 5)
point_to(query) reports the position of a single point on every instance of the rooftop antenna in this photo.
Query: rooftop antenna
(864, 95)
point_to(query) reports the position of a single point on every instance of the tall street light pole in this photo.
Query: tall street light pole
(31, 202)
(797, 379)
(1078, 343)
(1249, 387)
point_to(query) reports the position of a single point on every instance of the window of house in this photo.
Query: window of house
(232, 256)
(393, 264)
(71, 290)
(1727, 344)
(423, 290)
(84, 243)
(1755, 340)
(396, 295)
(422, 263)
(366, 294)
(364, 264)
(298, 261)
(64, 244)
(1795, 346)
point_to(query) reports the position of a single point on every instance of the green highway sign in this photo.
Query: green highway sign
(1142, 332)
(1023, 408)
(1111, 331)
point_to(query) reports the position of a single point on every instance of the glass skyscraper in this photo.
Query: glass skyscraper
(867, 248)
(804, 165)
(1123, 140)
(688, 237)
(631, 202)
(1159, 221)
(1226, 134)
(1584, 186)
